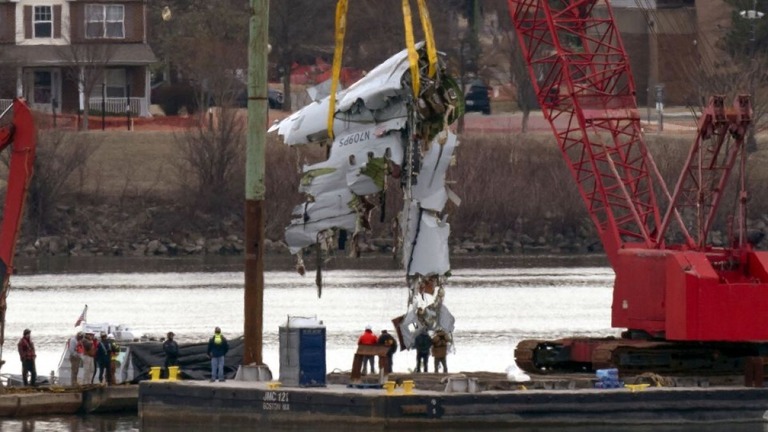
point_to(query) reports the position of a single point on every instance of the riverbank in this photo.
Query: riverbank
(128, 198)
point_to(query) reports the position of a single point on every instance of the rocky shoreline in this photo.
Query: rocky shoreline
(111, 231)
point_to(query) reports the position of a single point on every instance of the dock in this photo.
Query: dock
(433, 404)
(91, 399)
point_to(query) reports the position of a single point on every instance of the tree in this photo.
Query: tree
(747, 43)
(86, 64)
(205, 44)
(300, 31)
(746, 36)
(728, 64)
(59, 155)
(211, 163)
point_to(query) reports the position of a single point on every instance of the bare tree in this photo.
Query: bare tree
(59, 156)
(210, 169)
(521, 78)
(86, 65)
(300, 31)
(728, 63)
(209, 46)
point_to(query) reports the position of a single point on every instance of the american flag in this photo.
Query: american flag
(82, 316)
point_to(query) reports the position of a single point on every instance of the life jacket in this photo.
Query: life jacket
(217, 339)
(114, 350)
(80, 348)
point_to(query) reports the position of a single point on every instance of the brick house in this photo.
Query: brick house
(66, 53)
(672, 43)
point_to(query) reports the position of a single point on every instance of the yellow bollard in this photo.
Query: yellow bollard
(408, 386)
(173, 373)
(389, 386)
(154, 373)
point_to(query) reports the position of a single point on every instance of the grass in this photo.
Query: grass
(131, 162)
(517, 184)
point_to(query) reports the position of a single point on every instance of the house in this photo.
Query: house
(672, 46)
(64, 54)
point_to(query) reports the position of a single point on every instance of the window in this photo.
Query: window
(43, 21)
(104, 21)
(115, 82)
(43, 87)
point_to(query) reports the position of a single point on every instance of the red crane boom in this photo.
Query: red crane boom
(20, 135)
(688, 292)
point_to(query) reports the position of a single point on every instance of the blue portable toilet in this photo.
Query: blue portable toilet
(302, 352)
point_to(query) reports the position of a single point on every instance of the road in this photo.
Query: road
(677, 122)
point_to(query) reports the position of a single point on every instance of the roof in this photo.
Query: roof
(51, 55)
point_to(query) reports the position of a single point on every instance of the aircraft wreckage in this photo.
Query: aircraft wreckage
(380, 129)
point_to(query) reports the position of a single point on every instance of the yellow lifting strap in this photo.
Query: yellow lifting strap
(341, 28)
(413, 57)
(429, 37)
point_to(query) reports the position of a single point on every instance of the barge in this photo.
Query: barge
(444, 402)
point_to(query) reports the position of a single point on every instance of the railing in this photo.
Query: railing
(4, 104)
(139, 106)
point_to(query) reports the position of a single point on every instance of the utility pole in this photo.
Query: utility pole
(253, 368)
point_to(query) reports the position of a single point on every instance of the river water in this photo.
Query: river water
(497, 301)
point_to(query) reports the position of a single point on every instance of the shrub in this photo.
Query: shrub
(172, 97)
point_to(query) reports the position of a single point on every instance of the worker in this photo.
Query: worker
(90, 348)
(27, 355)
(103, 358)
(440, 350)
(386, 339)
(114, 353)
(423, 343)
(75, 351)
(368, 338)
(171, 350)
(217, 350)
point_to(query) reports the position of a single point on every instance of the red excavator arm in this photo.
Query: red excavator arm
(20, 135)
(689, 291)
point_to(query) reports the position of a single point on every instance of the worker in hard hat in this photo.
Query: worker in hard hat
(389, 341)
(422, 343)
(103, 358)
(171, 350)
(368, 338)
(440, 350)
(217, 351)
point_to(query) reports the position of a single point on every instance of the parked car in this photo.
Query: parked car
(275, 99)
(478, 98)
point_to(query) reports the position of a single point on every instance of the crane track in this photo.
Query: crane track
(638, 356)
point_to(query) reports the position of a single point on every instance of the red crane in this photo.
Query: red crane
(20, 135)
(685, 304)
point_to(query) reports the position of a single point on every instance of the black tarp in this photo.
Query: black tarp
(193, 359)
